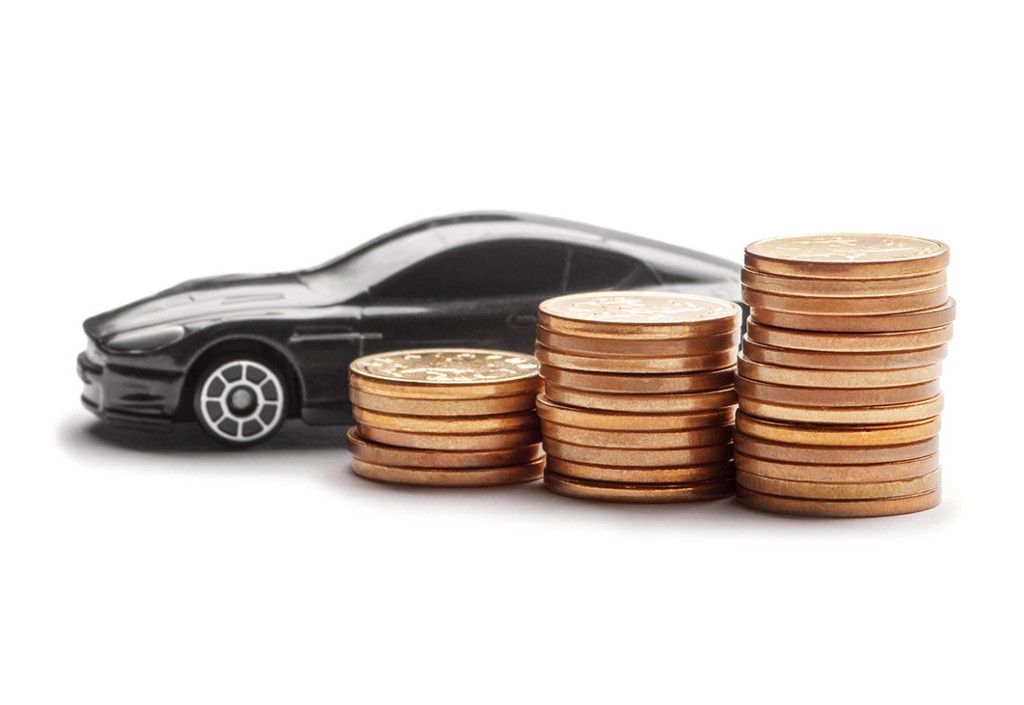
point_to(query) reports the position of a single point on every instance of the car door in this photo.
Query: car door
(591, 269)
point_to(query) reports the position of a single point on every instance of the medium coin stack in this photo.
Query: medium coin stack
(455, 418)
(639, 401)
(838, 381)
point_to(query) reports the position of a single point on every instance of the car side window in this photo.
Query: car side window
(593, 269)
(509, 268)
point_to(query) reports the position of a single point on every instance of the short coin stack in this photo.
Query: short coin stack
(639, 401)
(839, 378)
(454, 417)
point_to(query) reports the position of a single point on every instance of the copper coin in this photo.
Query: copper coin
(645, 315)
(638, 458)
(638, 383)
(623, 421)
(802, 286)
(811, 360)
(847, 379)
(834, 455)
(450, 477)
(810, 396)
(394, 456)
(839, 490)
(847, 305)
(496, 423)
(450, 441)
(644, 493)
(839, 507)
(851, 435)
(642, 403)
(632, 475)
(442, 407)
(897, 413)
(630, 365)
(847, 256)
(878, 472)
(874, 323)
(617, 347)
(848, 342)
(637, 439)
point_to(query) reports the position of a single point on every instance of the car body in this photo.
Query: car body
(468, 280)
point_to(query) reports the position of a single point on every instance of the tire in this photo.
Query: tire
(241, 400)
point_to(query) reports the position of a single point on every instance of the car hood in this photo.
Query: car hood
(203, 301)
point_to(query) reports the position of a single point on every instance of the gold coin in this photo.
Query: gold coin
(846, 379)
(839, 507)
(621, 421)
(847, 305)
(450, 477)
(394, 456)
(811, 360)
(835, 455)
(839, 490)
(442, 407)
(463, 373)
(849, 342)
(450, 441)
(639, 458)
(873, 323)
(851, 435)
(642, 403)
(633, 365)
(609, 382)
(637, 439)
(646, 315)
(446, 424)
(810, 396)
(847, 256)
(803, 286)
(645, 493)
(591, 346)
(803, 472)
(715, 472)
(898, 413)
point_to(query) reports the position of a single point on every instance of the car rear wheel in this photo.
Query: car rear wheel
(240, 401)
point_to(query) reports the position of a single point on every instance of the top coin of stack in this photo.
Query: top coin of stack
(838, 382)
(638, 402)
(455, 417)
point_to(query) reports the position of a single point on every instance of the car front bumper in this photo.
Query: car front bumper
(129, 396)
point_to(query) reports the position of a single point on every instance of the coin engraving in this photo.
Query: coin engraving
(638, 307)
(847, 248)
(448, 366)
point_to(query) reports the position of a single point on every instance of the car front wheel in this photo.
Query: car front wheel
(240, 401)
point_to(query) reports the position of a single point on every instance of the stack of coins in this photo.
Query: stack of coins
(838, 382)
(639, 401)
(455, 418)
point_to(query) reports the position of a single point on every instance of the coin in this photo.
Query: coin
(819, 435)
(839, 490)
(643, 403)
(848, 342)
(442, 407)
(633, 475)
(839, 507)
(811, 396)
(450, 441)
(847, 256)
(897, 413)
(637, 439)
(613, 420)
(395, 456)
(803, 286)
(874, 323)
(642, 458)
(609, 382)
(462, 373)
(847, 305)
(450, 477)
(647, 493)
(647, 315)
(627, 365)
(834, 455)
(847, 379)
(877, 472)
(446, 424)
(813, 360)
(619, 347)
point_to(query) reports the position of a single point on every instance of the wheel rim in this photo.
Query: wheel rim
(242, 401)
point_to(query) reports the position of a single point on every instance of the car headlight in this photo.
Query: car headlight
(145, 339)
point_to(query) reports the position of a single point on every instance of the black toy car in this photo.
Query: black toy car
(240, 354)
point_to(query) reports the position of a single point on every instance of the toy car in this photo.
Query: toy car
(240, 354)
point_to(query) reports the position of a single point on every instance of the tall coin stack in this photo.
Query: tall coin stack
(838, 382)
(456, 418)
(639, 401)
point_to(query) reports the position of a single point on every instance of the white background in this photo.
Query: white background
(145, 143)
